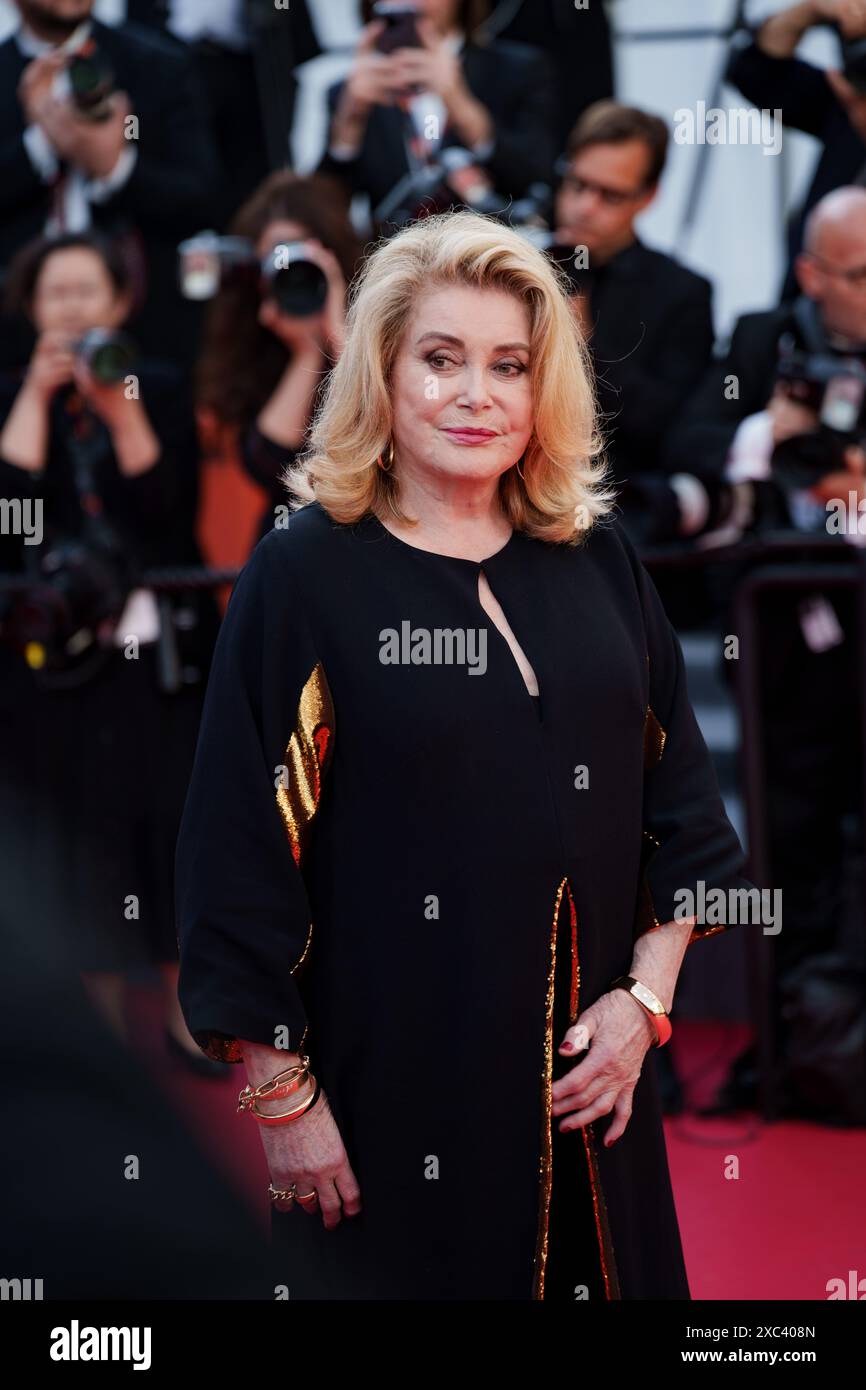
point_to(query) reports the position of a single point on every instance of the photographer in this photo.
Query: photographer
(742, 410)
(104, 448)
(648, 319)
(104, 128)
(830, 105)
(758, 416)
(264, 362)
(401, 107)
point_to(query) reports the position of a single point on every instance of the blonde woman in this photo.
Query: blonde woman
(447, 786)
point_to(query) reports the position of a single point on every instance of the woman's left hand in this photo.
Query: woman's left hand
(620, 1031)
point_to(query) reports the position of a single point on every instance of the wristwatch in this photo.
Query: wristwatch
(651, 1002)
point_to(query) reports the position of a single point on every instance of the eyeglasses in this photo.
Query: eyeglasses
(855, 277)
(614, 197)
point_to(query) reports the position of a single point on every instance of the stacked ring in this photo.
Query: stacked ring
(288, 1194)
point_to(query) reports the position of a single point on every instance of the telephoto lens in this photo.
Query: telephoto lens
(108, 355)
(854, 63)
(91, 82)
(297, 284)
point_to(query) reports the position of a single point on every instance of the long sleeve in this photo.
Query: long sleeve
(243, 914)
(798, 89)
(688, 839)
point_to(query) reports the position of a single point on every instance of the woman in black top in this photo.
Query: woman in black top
(395, 861)
(262, 369)
(96, 753)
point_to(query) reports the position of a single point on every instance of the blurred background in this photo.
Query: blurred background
(187, 189)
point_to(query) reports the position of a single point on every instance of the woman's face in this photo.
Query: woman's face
(74, 292)
(462, 401)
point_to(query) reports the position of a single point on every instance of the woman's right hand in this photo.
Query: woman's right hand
(52, 365)
(316, 333)
(310, 1153)
(299, 335)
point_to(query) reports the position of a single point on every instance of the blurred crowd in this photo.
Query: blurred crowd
(174, 297)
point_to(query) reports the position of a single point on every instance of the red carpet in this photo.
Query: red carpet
(793, 1219)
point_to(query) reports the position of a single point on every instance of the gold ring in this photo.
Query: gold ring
(284, 1194)
(307, 1196)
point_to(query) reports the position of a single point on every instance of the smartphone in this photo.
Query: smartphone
(401, 25)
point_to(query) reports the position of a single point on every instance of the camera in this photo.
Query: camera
(91, 82)
(834, 387)
(109, 356)
(854, 62)
(401, 25)
(71, 603)
(286, 274)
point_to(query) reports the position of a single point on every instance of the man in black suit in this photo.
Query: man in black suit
(823, 104)
(399, 111)
(647, 318)
(739, 413)
(146, 173)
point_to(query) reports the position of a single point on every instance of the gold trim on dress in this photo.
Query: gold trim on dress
(546, 1161)
(307, 756)
(299, 962)
(605, 1243)
(698, 933)
(645, 915)
(223, 1049)
(602, 1224)
(654, 739)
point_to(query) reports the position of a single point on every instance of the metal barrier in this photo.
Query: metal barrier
(775, 578)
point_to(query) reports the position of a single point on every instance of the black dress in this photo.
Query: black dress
(397, 866)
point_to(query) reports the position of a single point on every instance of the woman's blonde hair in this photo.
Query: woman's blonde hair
(562, 493)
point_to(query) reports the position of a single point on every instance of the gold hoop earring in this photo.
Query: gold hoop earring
(386, 467)
(517, 466)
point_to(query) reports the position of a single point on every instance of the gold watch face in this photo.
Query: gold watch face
(646, 997)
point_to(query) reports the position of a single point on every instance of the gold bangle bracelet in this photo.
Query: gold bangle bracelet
(285, 1116)
(282, 1085)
